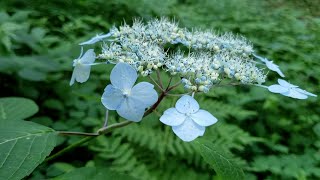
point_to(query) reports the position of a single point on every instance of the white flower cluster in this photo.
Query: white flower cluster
(210, 57)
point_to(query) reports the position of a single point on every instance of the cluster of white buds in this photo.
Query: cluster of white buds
(210, 57)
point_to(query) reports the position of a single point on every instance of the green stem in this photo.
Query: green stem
(159, 78)
(108, 129)
(77, 133)
(69, 148)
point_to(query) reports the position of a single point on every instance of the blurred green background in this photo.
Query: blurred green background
(270, 136)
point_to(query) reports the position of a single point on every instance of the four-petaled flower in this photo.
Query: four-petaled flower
(129, 102)
(270, 65)
(95, 39)
(289, 90)
(82, 66)
(187, 120)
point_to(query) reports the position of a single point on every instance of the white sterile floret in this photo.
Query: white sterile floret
(289, 90)
(129, 101)
(95, 39)
(270, 65)
(82, 66)
(188, 121)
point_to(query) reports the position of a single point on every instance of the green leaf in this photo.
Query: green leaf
(32, 74)
(95, 173)
(15, 108)
(23, 146)
(221, 163)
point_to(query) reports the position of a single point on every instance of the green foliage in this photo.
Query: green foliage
(14, 108)
(92, 173)
(223, 165)
(23, 145)
(289, 166)
(272, 137)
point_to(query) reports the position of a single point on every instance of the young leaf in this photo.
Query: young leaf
(221, 163)
(16, 108)
(23, 146)
(85, 173)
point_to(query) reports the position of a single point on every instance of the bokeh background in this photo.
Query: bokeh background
(270, 136)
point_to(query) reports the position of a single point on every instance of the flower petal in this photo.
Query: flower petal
(305, 92)
(203, 118)
(95, 39)
(144, 92)
(284, 83)
(73, 78)
(278, 89)
(112, 97)
(295, 94)
(80, 73)
(88, 57)
(189, 130)
(187, 104)
(131, 110)
(123, 76)
(172, 117)
(260, 58)
(274, 67)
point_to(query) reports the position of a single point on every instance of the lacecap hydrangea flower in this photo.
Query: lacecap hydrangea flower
(188, 121)
(202, 60)
(82, 66)
(129, 101)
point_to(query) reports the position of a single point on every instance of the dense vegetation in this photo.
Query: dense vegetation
(269, 136)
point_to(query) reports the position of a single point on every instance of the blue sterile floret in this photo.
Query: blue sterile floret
(289, 90)
(270, 65)
(82, 66)
(129, 101)
(188, 121)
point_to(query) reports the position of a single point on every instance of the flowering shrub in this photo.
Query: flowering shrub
(197, 62)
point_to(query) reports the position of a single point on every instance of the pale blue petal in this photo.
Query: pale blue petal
(305, 92)
(123, 76)
(187, 104)
(203, 118)
(188, 130)
(80, 73)
(261, 58)
(280, 73)
(144, 92)
(88, 57)
(172, 117)
(295, 94)
(95, 39)
(274, 67)
(278, 89)
(73, 78)
(112, 97)
(284, 83)
(131, 110)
